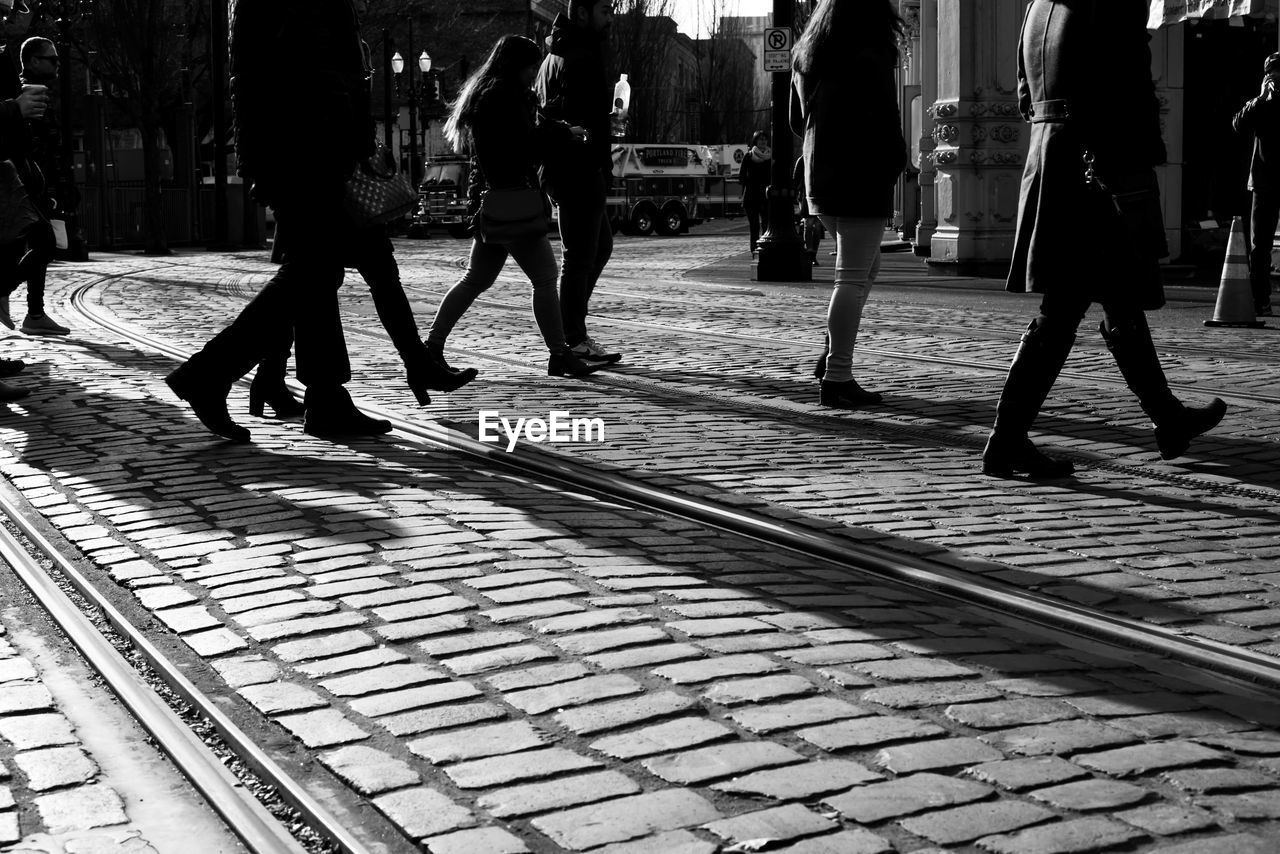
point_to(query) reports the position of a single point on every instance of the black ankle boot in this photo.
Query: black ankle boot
(1005, 457)
(209, 403)
(820, 368)
(1175, 430)
(331, 414)
(431, 371)
(565, 363)
(846, 395)
(1176, 423)
(271, 391)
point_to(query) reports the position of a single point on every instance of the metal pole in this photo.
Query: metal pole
(64, 180)
(411, 62)
(386, 89)
(218, 73)
(782, 255)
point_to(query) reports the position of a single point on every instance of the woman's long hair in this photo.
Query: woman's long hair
(509, 56)
(840, 28)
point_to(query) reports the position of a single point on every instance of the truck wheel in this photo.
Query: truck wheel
(671, 222)
(643, 220)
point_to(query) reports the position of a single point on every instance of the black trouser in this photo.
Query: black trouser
(757, 211)
(27, 259)
(587, 242)
(303, 295)
(1061, 313)
(372, 254)
(1263, 217)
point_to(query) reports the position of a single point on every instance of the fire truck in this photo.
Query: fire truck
(442, 196)
(656, 188)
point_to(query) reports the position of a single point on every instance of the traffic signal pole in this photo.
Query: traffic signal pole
(782, 255)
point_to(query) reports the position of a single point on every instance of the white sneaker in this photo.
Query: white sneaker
(43, 324)
(592, 351)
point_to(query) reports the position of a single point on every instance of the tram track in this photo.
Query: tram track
(1158, 648)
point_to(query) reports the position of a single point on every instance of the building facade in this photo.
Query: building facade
(958, 203)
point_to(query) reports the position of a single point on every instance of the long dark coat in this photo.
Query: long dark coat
(1084, 82)
(847, 114)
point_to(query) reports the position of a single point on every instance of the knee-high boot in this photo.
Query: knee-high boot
(1176, 423)
(1035, 368)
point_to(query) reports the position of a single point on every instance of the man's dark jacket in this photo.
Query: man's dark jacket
(301, 96)
(1261, 117)
(573, 87)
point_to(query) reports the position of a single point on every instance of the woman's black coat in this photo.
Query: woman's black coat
(1084, 83)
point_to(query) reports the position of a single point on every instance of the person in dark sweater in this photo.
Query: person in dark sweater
(574, 88)
(844, 104)
(1261, 118)
(754, 176)
(493, 120)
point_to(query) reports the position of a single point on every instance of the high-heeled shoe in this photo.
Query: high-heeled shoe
(431, 371)
(274, 393)
(331, 414)
(565, 363)
(209, 405)
(846, 395)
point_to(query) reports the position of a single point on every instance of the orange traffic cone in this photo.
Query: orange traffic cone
(1235, 295)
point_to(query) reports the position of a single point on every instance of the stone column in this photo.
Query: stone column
(980, 140)
(926, 59)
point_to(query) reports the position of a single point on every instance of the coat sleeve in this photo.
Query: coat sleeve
(795, 110)
(1246, 121)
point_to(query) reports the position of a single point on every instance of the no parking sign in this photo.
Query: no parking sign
(777, 49)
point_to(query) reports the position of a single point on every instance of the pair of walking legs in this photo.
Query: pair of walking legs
(857, 265)
(373, 256)
(1038, 361)
(27, 260)
(586, 238)
(303, 295)
(538, 263)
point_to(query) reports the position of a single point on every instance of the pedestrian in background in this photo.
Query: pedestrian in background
(493, 120)
(1089, 222)
(754, 177)
(292, 64)
(574, 88)
(27, 259)
(1260, 117)
(844, 104)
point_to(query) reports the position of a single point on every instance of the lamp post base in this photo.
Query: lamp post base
(783, 261)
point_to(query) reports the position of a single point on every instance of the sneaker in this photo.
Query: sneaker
(9, 367)
(43, 324)
(4, 311)
(593, 352)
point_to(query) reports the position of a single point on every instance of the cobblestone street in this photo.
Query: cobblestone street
(460, 658)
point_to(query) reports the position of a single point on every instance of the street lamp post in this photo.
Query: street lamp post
(67, 13)
(398, 65)
(782, 255)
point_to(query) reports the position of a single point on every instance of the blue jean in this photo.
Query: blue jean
(487, 260)
(857, 264)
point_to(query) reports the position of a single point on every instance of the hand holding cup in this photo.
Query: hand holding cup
(33, 101)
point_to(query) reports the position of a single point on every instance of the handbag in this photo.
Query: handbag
(1135, 196)
(511, 215)
(378, 191)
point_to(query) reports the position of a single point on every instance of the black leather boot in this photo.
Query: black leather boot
(268, 389)
(431, 371)
(1035, 368)
(331, 414)
(565, 363)
(820, 367)
(208, 400)
(1176, 423)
